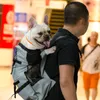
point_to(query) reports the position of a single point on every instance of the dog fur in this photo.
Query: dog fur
(36, 36)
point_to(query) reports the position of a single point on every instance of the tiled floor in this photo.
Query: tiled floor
(6, 86)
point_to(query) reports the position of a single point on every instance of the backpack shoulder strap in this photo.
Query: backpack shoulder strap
(91, 51)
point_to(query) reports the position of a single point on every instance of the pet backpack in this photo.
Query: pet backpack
(36, 85)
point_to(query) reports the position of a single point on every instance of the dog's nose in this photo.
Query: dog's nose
(46, 37)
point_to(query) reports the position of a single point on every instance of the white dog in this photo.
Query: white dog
(27, 54)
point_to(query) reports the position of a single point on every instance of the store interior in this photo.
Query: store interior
(14, 16)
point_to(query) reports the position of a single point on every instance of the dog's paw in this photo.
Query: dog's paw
(50, 50)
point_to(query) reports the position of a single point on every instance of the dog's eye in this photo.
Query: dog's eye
(40, 33)
(49, 31)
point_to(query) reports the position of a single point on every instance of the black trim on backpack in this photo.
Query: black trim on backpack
(20, 88)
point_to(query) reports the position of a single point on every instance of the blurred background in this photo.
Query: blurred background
(14, 15)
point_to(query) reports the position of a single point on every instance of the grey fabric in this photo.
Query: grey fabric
(40, 90)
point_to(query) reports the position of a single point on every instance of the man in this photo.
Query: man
(63, 65)
(91, 66)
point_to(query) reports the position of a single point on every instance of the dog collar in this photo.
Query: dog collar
(29, 41)
(35, 40)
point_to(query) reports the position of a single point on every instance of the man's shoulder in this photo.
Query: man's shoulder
(62, 39)
(99, 46)
(67, 41)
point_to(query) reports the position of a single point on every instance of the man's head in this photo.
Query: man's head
(94, 37)
(76, 13)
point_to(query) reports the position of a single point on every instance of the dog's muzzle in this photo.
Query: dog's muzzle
(46, 38)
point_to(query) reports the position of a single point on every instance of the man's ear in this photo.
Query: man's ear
(32, 22)
(82, 21)
(46, 19)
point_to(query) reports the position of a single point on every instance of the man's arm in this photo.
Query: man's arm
(67, 82)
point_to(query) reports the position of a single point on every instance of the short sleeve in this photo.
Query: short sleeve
(68, 54)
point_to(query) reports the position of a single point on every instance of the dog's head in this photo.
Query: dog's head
(39, 32)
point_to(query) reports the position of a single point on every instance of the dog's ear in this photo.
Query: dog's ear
(46, 19)
(32, 22)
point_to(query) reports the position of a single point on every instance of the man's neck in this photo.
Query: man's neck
(72, 29)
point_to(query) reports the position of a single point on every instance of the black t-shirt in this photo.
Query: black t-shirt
(67, 52)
